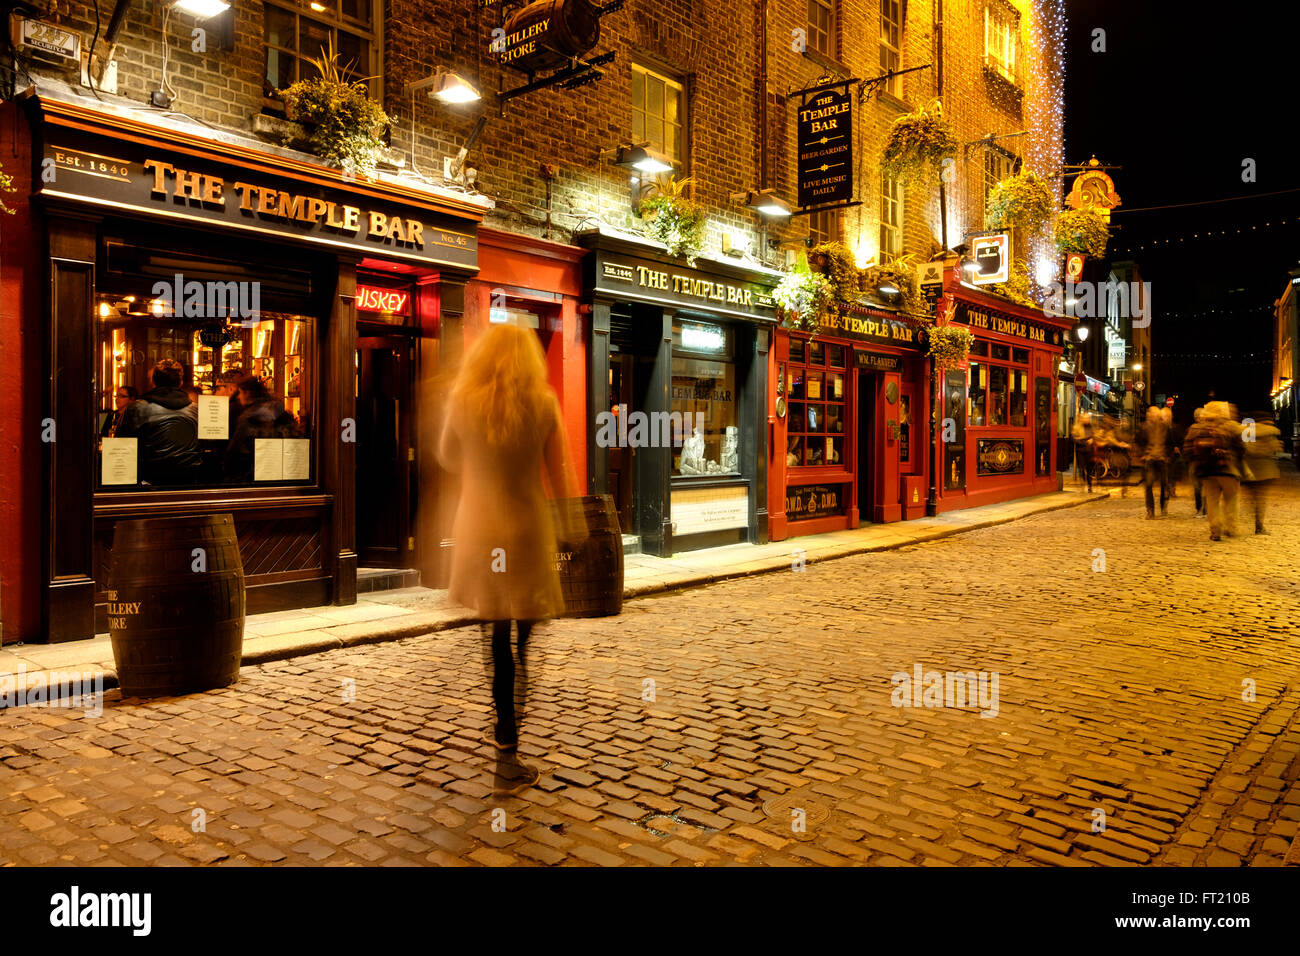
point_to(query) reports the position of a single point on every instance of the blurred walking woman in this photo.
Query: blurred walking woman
(503, 432)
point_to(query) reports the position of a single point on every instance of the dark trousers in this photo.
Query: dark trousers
(503, 677)
(1083, 462)
(1156, 471)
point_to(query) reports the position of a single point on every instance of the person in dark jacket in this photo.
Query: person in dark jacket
(1214, 445)
(165, 423)
(1155, 448)
(260, 416)
(122, 399)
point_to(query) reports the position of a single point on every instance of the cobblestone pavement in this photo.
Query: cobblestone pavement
(1122, 698)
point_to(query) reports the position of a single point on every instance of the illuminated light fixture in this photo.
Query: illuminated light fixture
(318, 7)
(446, 87)
(703, 338)
(887, 288)
(640, 158)
(202, 9)
(158, 307)
(105, 310)
(763, 201)
(1082, 333)
(1137, 367)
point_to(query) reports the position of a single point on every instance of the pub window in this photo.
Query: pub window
(891, 44)
(201, 401)
(821, 26)
(295, 33)
(823, 227)
(659, 113)
(815, 417)
(1001, 31)
(998, 393)
(891, 219)
(703, 425)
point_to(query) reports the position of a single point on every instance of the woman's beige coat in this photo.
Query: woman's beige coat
(503, 560)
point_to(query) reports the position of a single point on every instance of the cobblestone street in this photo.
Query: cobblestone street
(1119, 729)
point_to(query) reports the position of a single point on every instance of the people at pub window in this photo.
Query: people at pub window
(122, 397)
(165, 424)
(261, 415)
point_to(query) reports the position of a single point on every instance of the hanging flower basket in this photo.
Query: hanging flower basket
(1023, 201)
(1081, 231)
(900, 273)
(6, 186)
(805, 298)
(671, 217)
(836, 262)
(917, 145)
(950, 344)
(344, 123)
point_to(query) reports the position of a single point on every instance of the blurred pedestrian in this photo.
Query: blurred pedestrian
(503, 431)
(1154, 447)
(1262, 448)
(1198, 493)
(1214, 445)
(1083, 447)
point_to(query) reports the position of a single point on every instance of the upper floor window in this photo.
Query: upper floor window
(891, 219)
(823, 227)
(891, 44)
(659, 113)
(821, 26)
(1001, 32)
(298, 32)
(998, 165)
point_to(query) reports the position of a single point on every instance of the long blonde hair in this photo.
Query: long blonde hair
(502, 383)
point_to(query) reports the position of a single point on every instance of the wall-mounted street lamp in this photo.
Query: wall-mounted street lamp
(1081, 333)
(638, 158)
(445, 86)
(763, 201)
(202, 9)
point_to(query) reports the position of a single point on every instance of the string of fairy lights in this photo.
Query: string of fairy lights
(1210, 313)
(1200, 235)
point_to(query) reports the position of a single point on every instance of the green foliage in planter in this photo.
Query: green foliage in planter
(805, 298)
(1081, 231)
(917, 145)
(1017, 286)
(950, 344)
(348, 123)
(672, 217)
(1022, 201)
(900, 272)
(836, 261)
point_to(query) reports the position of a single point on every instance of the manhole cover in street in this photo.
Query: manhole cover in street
(783, 808)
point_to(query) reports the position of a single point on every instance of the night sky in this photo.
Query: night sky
(1182, 95)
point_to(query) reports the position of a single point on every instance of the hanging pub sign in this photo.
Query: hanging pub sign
(992, 255)
(826, 148)
(547, 34)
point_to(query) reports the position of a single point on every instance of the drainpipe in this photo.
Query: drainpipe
(115, 24)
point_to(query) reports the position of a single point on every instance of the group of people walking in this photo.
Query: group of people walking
(1220, 453)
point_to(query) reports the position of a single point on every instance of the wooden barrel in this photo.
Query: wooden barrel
(547, 34)
(176, 605)
(591, 576)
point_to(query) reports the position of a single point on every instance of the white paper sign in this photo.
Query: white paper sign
(268, 459)
(297, 459)
(281, 459)
(214, 417)
(117, 461)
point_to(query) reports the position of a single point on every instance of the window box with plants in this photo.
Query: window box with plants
(671, 216)
(343, 124)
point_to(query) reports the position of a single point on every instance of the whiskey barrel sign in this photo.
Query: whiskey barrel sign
(547, 34)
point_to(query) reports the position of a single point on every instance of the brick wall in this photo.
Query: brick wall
(712, 44)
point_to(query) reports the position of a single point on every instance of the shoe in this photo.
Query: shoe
(516, 780)
(1213, 536)
(1150, 515)
(1164, 513)
(489, 736)
(1259, 529)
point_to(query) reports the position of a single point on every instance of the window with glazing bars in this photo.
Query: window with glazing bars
(659, 112)
(295, 33)
(891, 219)
(891, 43)
(821, 26)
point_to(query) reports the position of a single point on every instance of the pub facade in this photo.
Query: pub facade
(232, 259)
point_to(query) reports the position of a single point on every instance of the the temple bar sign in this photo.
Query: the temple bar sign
(193, 188)
(826, 148)
(1005, 324)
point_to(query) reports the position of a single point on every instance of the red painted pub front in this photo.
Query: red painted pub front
(849, 414)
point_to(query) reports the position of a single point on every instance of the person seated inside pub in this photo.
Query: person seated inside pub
(165, 424)
(261, 416)
(124, 396)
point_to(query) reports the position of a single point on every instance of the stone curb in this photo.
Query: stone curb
(290, 645)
